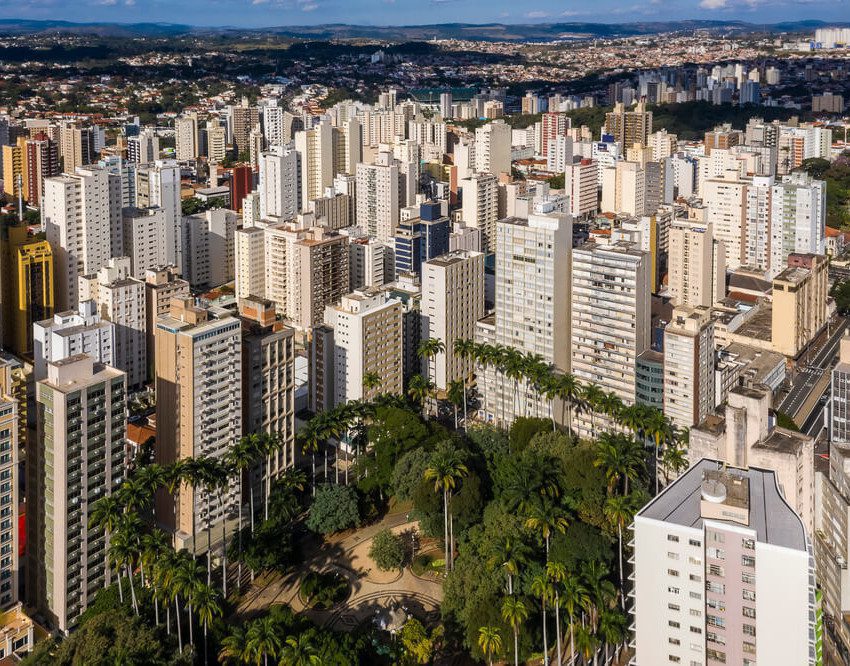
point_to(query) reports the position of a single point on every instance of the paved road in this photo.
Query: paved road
(816, 422)
(811, 374)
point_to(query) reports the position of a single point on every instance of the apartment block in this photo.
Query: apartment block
(689, 366)
(723, 573)
(77, 457)
(696, 264)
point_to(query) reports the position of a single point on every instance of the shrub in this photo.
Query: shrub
(387, 550)
(323, 590)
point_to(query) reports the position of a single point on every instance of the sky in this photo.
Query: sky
(259, 13)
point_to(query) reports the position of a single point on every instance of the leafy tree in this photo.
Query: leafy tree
(408, 473)
(116, 637)
(394, 432)
(387, 550)
(334, 508)
(417, 646)
(524, 429)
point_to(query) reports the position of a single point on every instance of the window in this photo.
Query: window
(748, 595)
(674, 641)
(673, 658)
(716, 570)
(748, 578)
(749, 544)
(749, 630)
(673, 623)
(695, 542)
(672, 572)
(749, 648)
(673, 538)
(673, 590)
(715, 621)
(749, 612)
(716, 655)
(748, 561)
(674, 607)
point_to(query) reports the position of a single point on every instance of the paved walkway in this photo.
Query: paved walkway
(371, 589)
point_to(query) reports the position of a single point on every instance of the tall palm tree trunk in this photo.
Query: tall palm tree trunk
(132, 589)
(558, 626)
(545, 638)
(177, 619)
(465, 422)
(516, 647)
(622, 580)
(446, 525)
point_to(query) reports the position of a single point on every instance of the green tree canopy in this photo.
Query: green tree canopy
(334, 508)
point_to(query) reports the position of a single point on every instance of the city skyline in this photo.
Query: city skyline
(375, 13)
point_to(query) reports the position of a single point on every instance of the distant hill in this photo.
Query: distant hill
(479, 32)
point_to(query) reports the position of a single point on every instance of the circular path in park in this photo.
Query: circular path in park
(372, 590)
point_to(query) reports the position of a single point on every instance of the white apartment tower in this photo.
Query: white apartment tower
(610, 315)
(726, 204)
(480, 206)
(315, 148)
(723, 573)
(186, 137)
(452, 302)
(532, 304)
(158, 184)
(77, 458)
(378, 201)
(120, 298)
(280, 186)
(493, 148)
(81, 214)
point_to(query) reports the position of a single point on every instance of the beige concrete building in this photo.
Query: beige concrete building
(610, 315)
(249, 262)
(740, 434)
(726, 210)
(689, 366)
(198, 412)
(367, 338)
(78, 457)
(315, 146)
(629, 127)
(799, 303)
(161, 285)
(452, 302)
(696, 264)
(268, 386)
(10, 445)
(378, 200)
(480, 206)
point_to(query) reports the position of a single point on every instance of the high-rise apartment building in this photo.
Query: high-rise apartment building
(161, 285)
(610, 316)
(158, 184)
(367, 339)
(797, 218)
(40, 161)
(120, 298)
(554, 125)
(689, 366)
(696, 264)
(82, 218)
(723, 573)
(280, 186)
(76, 146)
(629, 127)
(378, 201)
(244, 118)
(580, 185)
(27, 287)
(199, 410)
(78, 457)
(144, 239)
(532, 305)
(268, 387)
(493, 148)
(187, 145)
(144, 147)
(452, 302)
(799, 303)
(480, 206)
(80, 331)
(726, 210)
(315, 150)
(249, 262)
(10, 533)
(317, 276)
(208, 247)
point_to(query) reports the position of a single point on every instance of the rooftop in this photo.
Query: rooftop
(773, 520)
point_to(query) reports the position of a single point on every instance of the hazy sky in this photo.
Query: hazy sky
(406, 12)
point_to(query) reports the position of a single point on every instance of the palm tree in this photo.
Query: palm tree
(490, 641)
(601, 592)
(509, 552)
(544, 517)
(514, 368)
(557, 572)
(134, 495)
(173, 479)
(166, 573)
(105, 515)
(371, 381)
(611, 405)
(208, 608)
(659, 427)
(310, 437)
(618, 513)
(568, 391)
(419, 388)
(593, 396)
(549, 386)
(456, 395)
(222, 485)
(299, 651)
(674, 459)
(153, 547)
(446, 469)
(574, 597)
(262, 639)
(241, 457)
(186, 580)
(151, 478)
(515, 613)
(234, 647)
(586, 641)
(541, 587)
(464, 349)
(612, 629)
(428, 349)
